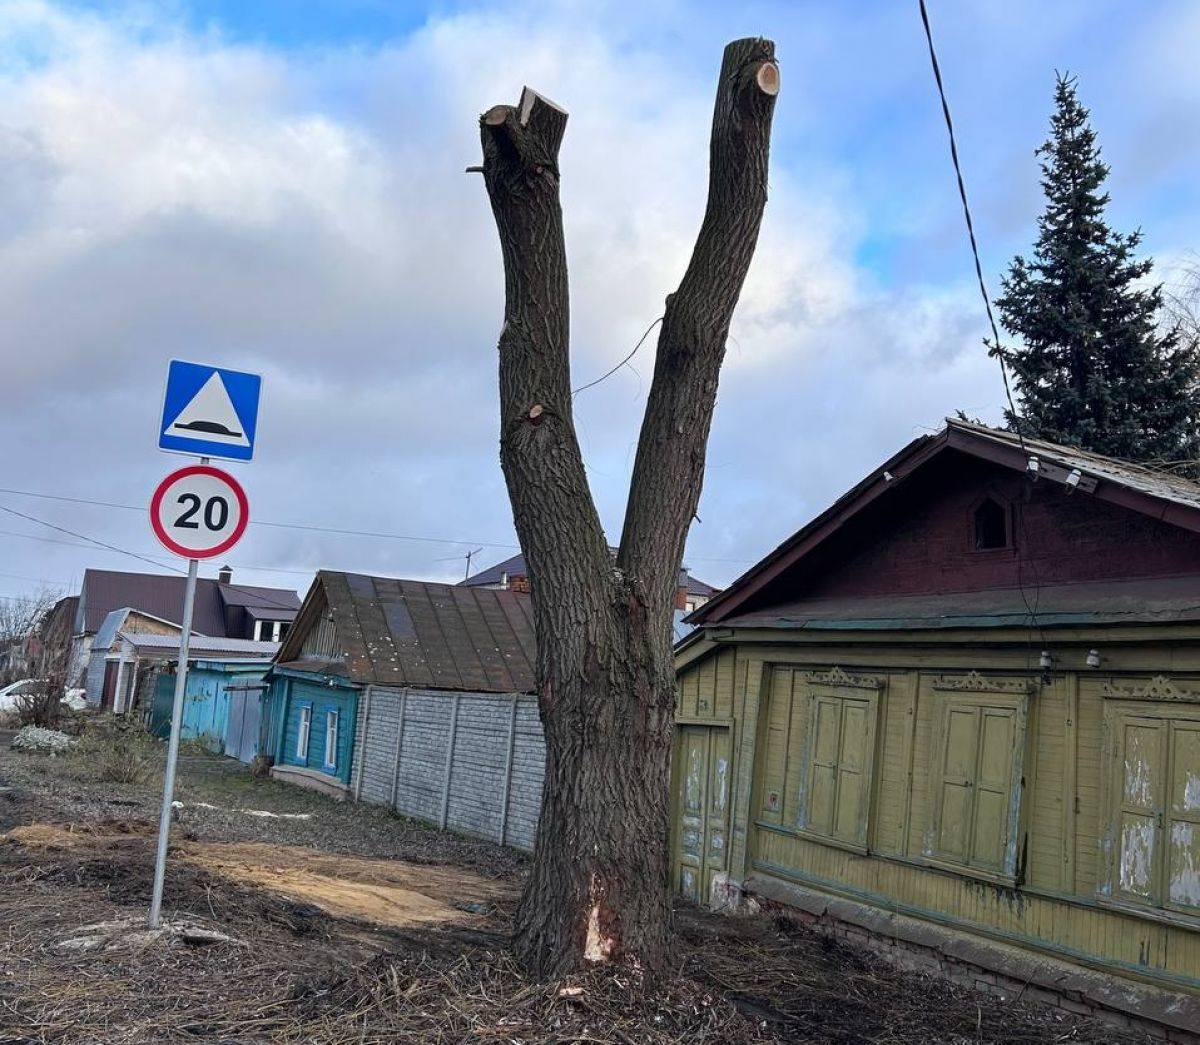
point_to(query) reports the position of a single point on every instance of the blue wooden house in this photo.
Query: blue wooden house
(222, 703)
(414, 695)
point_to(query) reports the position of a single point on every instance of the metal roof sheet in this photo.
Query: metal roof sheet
(1155, 482)
(202, 644)
(1136, 601)
(161, 595)
(414, 633)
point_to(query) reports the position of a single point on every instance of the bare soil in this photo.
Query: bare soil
(347, 924)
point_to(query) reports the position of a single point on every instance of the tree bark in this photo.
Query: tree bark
(599, 887)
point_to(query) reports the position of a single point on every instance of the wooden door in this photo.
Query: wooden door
(702, 808)
(109, 692)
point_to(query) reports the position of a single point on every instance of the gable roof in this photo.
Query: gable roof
(161, 595)
(415, 633)
(515, 567)
(1161, 495)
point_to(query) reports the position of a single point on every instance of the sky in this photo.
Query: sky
(279, 187)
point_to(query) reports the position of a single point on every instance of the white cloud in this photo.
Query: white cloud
(306, 214)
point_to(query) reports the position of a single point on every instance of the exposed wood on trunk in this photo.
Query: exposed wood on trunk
(606, 683)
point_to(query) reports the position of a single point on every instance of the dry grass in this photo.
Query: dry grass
(300, 973)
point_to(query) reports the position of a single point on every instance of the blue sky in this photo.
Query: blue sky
(278, 186)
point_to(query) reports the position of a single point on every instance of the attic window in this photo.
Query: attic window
(991, 525)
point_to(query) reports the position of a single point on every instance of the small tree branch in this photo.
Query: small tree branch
(669, 468)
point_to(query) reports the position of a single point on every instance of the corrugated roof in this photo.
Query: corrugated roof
(103, 639)
(435, 636)
(203, 644)
(1152, 481)
(515, 567)
(161, 595)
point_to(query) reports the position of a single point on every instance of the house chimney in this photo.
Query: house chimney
(681, 590)
(225, 575)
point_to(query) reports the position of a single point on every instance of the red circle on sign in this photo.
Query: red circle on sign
(212, 473)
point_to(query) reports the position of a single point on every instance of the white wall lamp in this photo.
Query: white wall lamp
(1033, 468)
(1093, 658)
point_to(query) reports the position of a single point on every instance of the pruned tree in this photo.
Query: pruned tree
(599, 887)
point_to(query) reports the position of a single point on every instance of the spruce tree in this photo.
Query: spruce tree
(1095, 368)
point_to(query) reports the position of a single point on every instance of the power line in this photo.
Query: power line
(294, 526)
(84, 537)
(265, 522)
(235, 565)
(256, 593)
(995, 350)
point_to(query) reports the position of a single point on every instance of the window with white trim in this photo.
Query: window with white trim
(302, 732)
(331, 738)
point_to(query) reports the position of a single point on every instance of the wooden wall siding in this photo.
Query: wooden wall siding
(321, 642)
(469, 762)
(321, 699)
(1091, 934)
(1047, 792)
(1058, 903)
(922, 540)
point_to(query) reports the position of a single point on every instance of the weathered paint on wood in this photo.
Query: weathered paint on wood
(1019, 857)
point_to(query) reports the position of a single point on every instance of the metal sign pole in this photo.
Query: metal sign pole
(164, 821)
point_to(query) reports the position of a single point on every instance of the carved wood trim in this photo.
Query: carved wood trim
(1158, 688)
(973, 682)
(835, 676)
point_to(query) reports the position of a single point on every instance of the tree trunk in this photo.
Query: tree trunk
(599, 888)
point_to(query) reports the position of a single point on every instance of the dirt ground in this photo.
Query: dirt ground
(297, 919)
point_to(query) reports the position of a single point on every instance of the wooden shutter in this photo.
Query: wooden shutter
(1183, 816)
(1138, 771)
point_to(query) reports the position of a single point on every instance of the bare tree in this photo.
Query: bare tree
(21, 619)
(1181, 300)
(599, 888)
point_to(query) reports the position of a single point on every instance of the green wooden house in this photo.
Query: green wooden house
(958, 714)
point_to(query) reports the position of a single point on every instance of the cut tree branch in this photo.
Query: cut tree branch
(668, 471)
(539, 450)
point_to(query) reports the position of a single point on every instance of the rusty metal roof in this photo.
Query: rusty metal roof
(1155, 482)
(416, 633)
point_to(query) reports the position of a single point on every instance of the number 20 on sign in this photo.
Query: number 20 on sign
(199, 512)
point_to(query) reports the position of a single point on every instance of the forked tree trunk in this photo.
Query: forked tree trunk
(599, 888)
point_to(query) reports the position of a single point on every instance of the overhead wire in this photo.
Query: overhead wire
(255, 593)
(380, 535)
(996, 348)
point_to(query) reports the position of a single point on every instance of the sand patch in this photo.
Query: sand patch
(71, 835)
(386, 892)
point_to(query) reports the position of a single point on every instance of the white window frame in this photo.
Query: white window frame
(303, 732)
(332, 724)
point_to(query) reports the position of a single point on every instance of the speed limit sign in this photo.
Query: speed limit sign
(199, 512)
